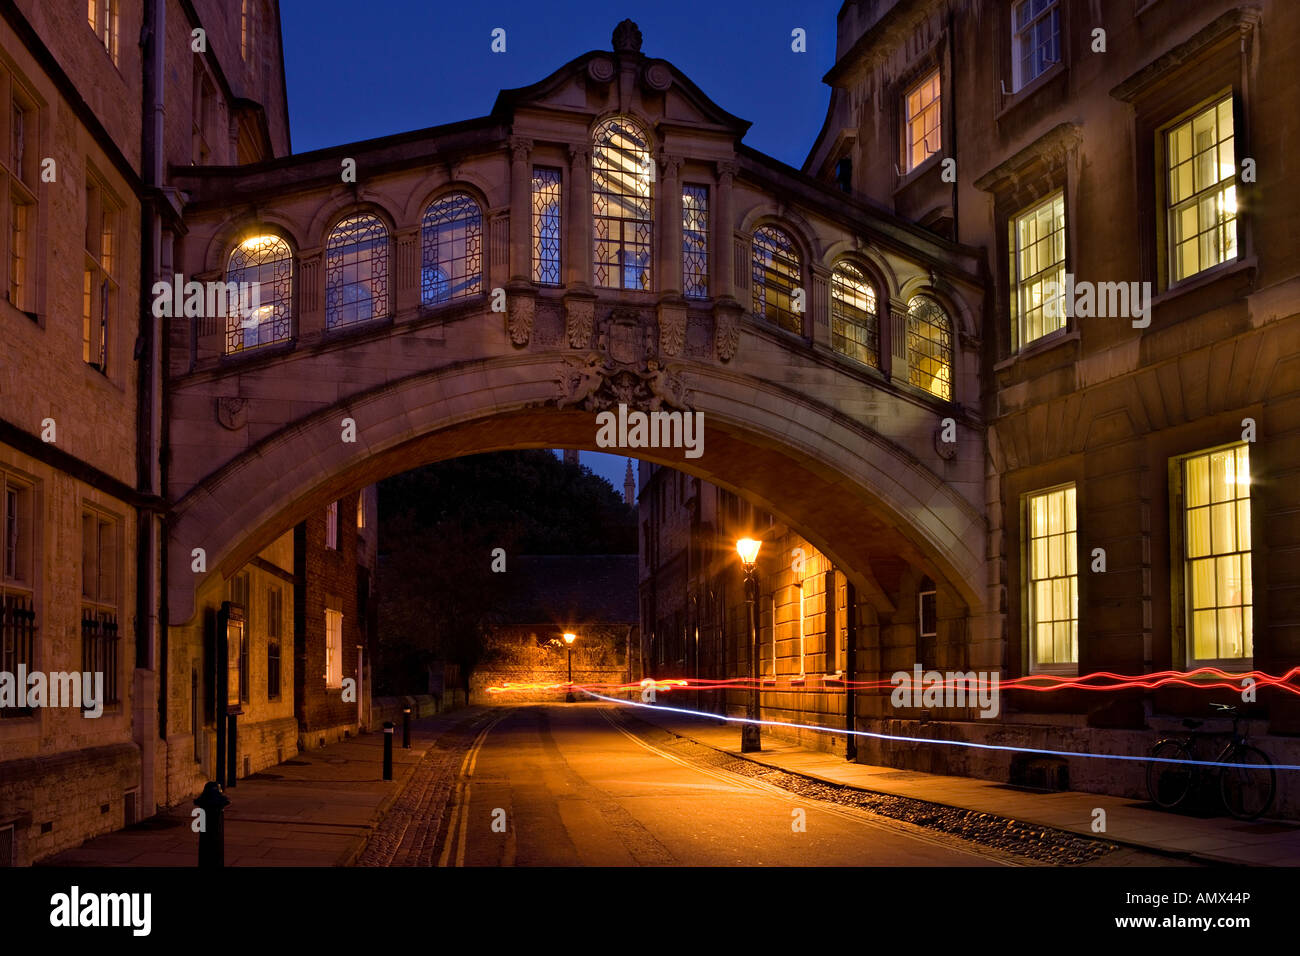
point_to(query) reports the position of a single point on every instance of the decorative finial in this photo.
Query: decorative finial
(627, 37)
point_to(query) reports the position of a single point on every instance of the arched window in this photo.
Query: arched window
(929, 346)
(451, 239)
(777, 276)
(855, 324)
(265, 265)
(356, 271)
(621, 203)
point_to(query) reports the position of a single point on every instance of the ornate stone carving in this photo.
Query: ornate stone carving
(600, 69)
(521, 148)
(520, 318)
(627, 37)
(726, 337)
(597, 383)
(727, 169)
(947, 450)
(658, 76)
(579, 315)
(672, 329)
(232, 413)
(621, 369)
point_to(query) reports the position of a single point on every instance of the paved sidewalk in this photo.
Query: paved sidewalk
(1128, 822)
(315, 809)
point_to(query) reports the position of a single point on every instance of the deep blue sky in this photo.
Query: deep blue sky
(361, 70)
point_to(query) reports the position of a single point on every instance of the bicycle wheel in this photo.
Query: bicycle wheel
(1170, 783)
(1247, 782)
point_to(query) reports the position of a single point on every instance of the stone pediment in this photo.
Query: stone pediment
(622, 73)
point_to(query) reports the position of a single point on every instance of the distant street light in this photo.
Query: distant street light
(747, 548)
(569, 638)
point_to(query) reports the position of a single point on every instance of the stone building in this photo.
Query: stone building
(90, 209)
(1123, 172)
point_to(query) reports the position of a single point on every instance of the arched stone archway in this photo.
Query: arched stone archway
(849, 489)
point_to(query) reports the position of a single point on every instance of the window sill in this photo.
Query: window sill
(906, 179)
(1204, 278)
(1011, 102)
(1039, 346)
(1048, 670)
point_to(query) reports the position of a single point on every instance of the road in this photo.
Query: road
(568, 785)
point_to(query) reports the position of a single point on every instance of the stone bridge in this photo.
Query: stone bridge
(602, 237)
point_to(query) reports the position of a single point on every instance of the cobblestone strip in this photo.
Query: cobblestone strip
(409, 831)
(1015, 837)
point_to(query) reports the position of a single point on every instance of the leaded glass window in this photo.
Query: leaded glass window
(929, 346)
(356, 271)
(266, 261)
(695, 241)
(451, 240)
(621, 178)
(546, 225)
(777, 278)
(855, 324)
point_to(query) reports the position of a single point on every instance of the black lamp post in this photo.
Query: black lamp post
(569, 638)
(750, 739)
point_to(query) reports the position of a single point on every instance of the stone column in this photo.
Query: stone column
(669, 213)
(818, 325)
(722, 270)
(893, 340)
(521, 207)
(578, 245)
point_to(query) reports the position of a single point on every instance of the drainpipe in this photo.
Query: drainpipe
(149, 723)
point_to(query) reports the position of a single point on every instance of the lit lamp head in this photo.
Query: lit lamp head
(570, 637)
(747, 548)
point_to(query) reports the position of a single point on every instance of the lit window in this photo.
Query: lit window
(1217, 554)
(17, 174)
(266, 264)
(361, 510)
(923, 109)
(929, 346)
(451, 238)
(1036, 38)
(16, 525)
(333, 648)
(855, 327)
(332, 526)
(546, 225)
(239, 591)
(621, 177)
(777, 278)
(356, 271)
(695, 242)
(1037, 247)
(1053, 605)
(1201, 193)
(102, 17)
(99, 282)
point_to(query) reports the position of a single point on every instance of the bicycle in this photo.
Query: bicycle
(1247, 780)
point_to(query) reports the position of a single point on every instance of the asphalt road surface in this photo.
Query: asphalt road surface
(569, 785)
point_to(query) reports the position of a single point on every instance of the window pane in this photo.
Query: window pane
(356, 271)
(451, 236)
(546, 226)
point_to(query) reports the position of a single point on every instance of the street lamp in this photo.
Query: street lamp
(569, 638)
(747, 548)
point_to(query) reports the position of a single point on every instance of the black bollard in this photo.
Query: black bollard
(388, 750)
(212, 833)
(406, 728)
